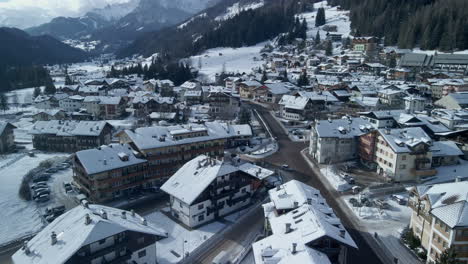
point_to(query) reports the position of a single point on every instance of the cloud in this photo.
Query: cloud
(27, 13)
(58, 7)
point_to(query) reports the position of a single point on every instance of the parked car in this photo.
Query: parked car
(67, 187)
(399, 199)
(42, 198)
(38, 185)
(51, 170)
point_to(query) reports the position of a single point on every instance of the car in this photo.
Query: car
(42, 198)
(38, 185)
(350, 180)
(399, 199)
(41, 192)
(285, 166)
(68, 187)
(51, 170)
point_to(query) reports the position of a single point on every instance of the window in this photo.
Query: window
(141, 240)
(403, 166)
(142, 253)
(180, 205)
(243, 190)
(201, 206)
(201, 218)
(403, 157)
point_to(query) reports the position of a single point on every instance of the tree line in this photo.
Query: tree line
(429, 24)
(18, 77)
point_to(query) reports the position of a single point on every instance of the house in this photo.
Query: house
(337, 140)
(145, 105)
(205, 189)
(305, 105)
(457, 63)
(7, 137)
(453, 119)
(302, 228)
(109, 172)
(429, 124)
(192, 97)
(382, 119)
(391, 97)
(414, 103)
(111, 107)
(70, 136)
(453, 101)
(445, 153)
(247, 89)
(231, 84)
(72, 103)
(46, 115)
(364, 44)
(439, 218)
(167, 148)
(93, 234)
(400, 154)
(221, 102)
(275, 91)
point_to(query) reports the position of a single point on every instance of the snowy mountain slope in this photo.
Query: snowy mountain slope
(237, 8)
(115, 11)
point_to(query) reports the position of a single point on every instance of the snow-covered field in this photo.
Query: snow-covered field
(177, 237)
(334, 17)
(235, 60)
(19, 217)
(24, 95)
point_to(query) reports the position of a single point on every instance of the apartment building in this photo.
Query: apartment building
(70, 136)
(399, 154)
(337, 140)
(167, 148)
(302, 228)
(7, 137)
(93, 234)
(440, 218)
(109, 172)
(205, 189)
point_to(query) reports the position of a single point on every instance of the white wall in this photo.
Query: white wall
(149, 258)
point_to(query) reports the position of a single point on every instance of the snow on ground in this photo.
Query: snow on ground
(235, 60)
(236, 8)
(177, 236)
(20, 217)
(181, 26)
(334, 17)
(24, 95)
(334, 179)
(448, 173)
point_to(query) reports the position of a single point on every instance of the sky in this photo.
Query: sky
(26, 13)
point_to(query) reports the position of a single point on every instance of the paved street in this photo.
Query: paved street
(289, 153)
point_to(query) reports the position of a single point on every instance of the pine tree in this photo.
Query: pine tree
(37, 92)
(68, 80)
(50, 87)
(3, 102)
(264, 77)
(320, 19)
(449, 256)
(317, 38)
(303, 80)
(329, 48)
(285, 76)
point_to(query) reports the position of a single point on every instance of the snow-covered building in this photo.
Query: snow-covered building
(304, 105)
(440, 218)
(167, 148)
(144, 105)
(70, 136)
(72, 103)
(92, 234)
(414, 103)
(382, 119)
(453, 119)
(337, 140)
(109, 172)
(206, 188)
(454, 101)
(303, 228)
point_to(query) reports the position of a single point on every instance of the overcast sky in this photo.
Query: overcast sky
(58, 7)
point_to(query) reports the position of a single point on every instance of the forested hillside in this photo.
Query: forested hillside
(204, 32)
(429, 24)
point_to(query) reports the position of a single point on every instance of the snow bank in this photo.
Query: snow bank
(335, 180)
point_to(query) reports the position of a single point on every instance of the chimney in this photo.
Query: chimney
(296, 204)
(103, 214)
(132, 212)
(144, 222)
(288, 228)
(25, 248)
(124, 215)
(278, 187)
(87, 219)
(53, 238)
(294, 248)
(458, 179)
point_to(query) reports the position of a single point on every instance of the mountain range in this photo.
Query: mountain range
(19, 48)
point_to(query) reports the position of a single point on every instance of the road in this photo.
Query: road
(289, 153)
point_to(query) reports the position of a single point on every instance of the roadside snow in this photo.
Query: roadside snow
(335, 180)
(235, 60)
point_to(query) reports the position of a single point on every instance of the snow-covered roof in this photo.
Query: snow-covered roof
(105, 158)
(4, 125)
(449, 202)
(402, 140)
(162, 115)
(73, 233)
(292, 194)
(68, 128)
(143, 99)
(294, 102)
(281, 87)
(445, 148)
(197, 174)
(342, 128)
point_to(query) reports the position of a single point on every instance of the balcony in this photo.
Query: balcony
(424, 172)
